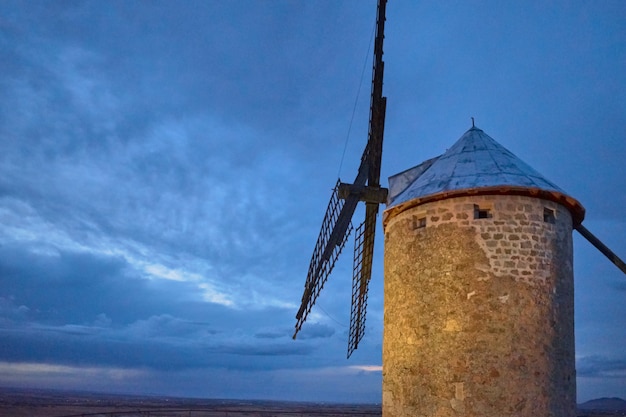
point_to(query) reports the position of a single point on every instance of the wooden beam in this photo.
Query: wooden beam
(601, 247)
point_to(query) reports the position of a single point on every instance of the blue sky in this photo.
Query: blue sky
(165, 166)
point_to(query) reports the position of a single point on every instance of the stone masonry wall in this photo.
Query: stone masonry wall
(479, 317)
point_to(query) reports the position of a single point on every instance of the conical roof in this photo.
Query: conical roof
(475, 164)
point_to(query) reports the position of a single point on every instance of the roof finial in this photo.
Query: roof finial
(473, 122)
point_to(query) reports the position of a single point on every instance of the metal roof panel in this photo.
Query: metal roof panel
(475, 161)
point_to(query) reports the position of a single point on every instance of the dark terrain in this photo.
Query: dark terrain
(49, 403)
(602, 407)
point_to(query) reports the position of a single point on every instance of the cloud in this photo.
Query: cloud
(368, 368)
(32, 374)
(273, 333)
(601, 367)
(12, 313)
(316, 331)
(133, 155)
(158, 343)
(165, 326)
(98, 311)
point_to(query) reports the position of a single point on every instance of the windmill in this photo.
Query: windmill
(479, 285)
(336, 226)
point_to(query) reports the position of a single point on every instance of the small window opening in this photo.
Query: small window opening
(549, 216)
(482, 212)
(419, 222)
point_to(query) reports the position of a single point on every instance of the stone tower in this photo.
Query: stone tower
(479, 289)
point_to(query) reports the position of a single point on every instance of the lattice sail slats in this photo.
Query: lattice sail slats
(336, 225)
(324, 257)
(362, 272)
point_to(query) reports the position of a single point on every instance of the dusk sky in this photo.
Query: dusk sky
(165, 167)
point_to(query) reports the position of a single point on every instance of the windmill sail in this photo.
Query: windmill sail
(337, 223)
(362, 273)
(332, 238)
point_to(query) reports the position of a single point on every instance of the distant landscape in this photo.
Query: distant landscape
(50, 403)
(602, 407)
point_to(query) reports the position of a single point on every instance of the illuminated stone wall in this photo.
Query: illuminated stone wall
(479, 312)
